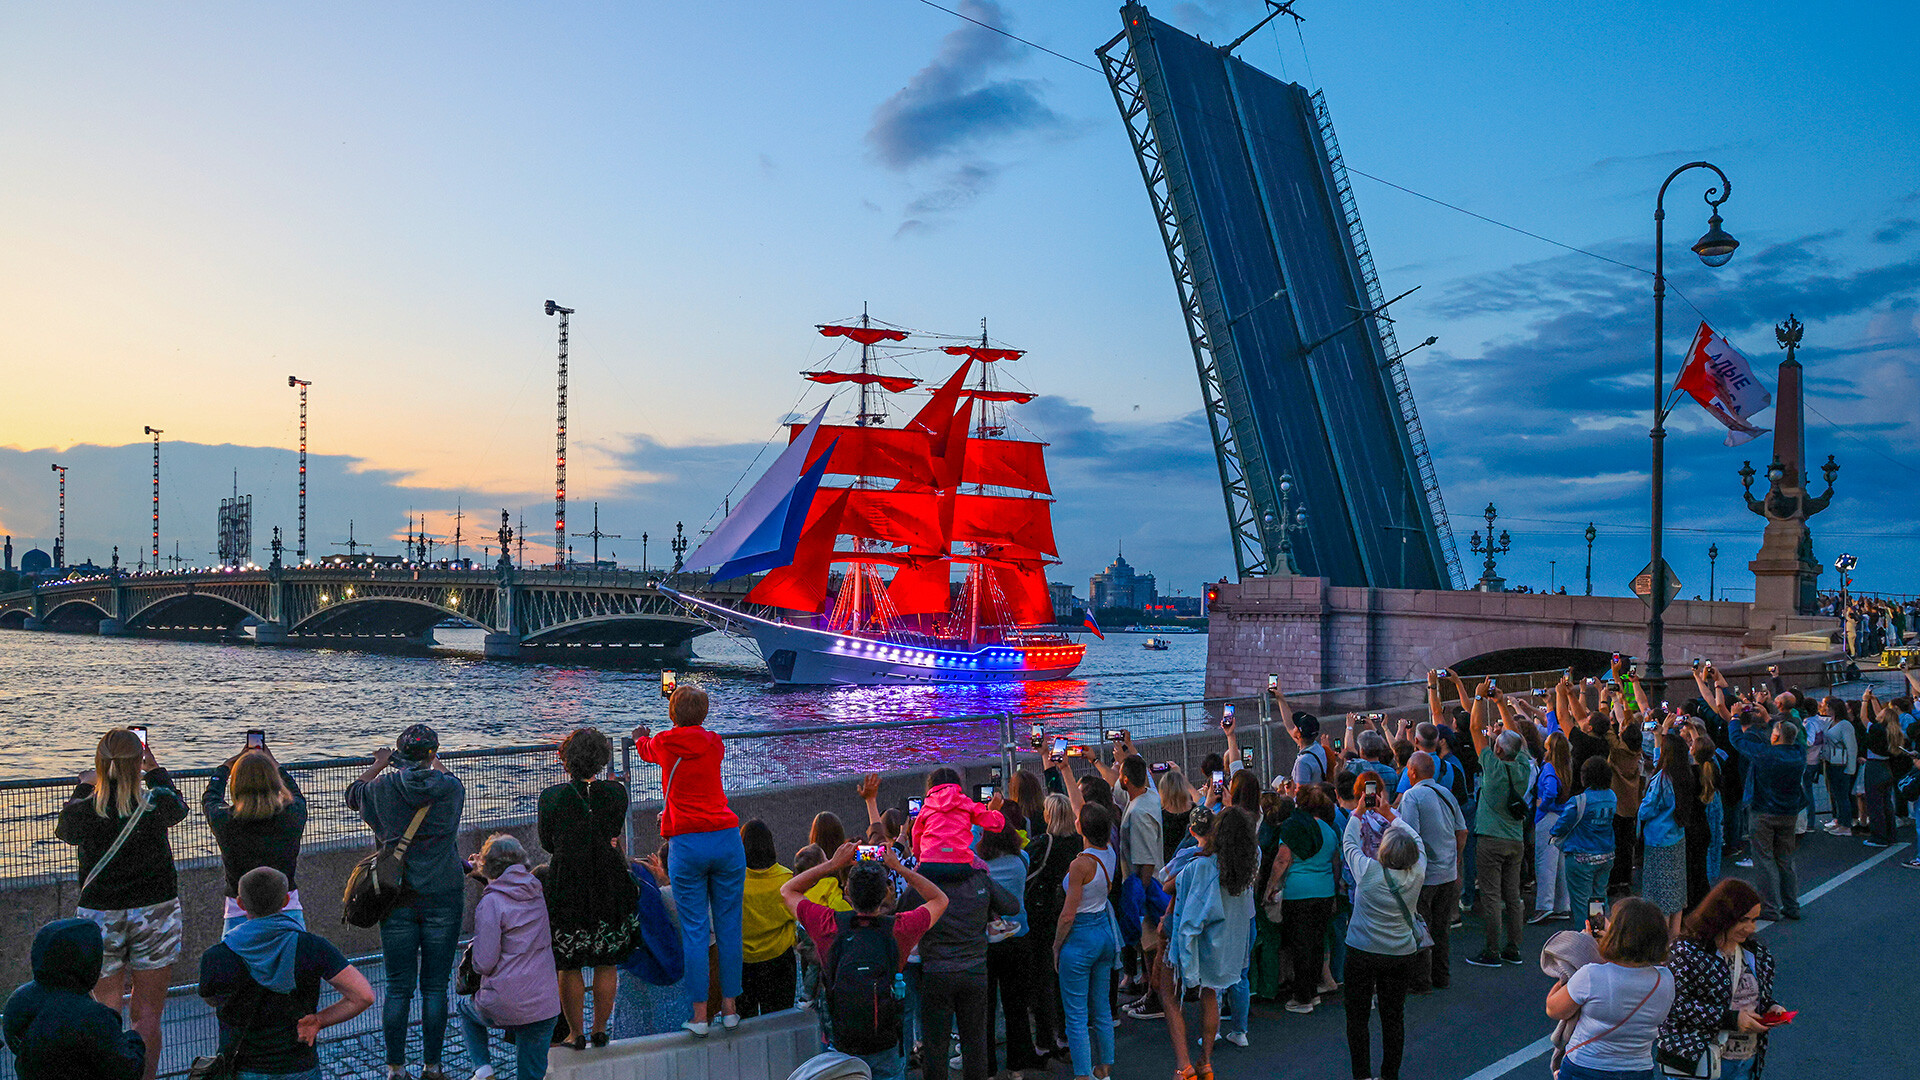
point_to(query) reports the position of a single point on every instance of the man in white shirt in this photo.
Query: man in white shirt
(1431, 810)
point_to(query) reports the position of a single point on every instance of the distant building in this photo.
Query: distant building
(1119, 586)
(1063, 600)
(35, 561)
(1179, 607)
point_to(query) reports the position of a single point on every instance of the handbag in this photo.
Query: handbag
(225, 1065)
(466, 980)
(126, 833)
(375, 882)
(1422, 937)
(1273, 908)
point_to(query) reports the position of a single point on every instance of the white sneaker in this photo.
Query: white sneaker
(1237, 1038)
(484, 1072)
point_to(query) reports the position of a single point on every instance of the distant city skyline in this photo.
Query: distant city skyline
(379, 200)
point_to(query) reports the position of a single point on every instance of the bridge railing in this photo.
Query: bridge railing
(504, 783)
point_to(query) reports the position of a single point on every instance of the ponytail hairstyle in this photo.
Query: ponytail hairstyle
(116, 765)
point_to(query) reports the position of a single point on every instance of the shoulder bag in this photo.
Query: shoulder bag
(1422, 937)
(375, 882)
(225, 1065)
(126, 832)
(1579, 811)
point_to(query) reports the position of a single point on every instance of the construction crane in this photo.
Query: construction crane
(155, 432)
(302, 384)
(597, 535)
(560, 447)
(60, 541)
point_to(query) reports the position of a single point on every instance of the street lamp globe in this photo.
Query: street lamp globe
(1717, 246)
(1301, 518)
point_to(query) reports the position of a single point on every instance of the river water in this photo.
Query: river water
(58, 692)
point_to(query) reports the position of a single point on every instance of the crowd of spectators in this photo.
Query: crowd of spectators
(1025, 919)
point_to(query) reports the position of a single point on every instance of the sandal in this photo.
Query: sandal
(1204, 1072)
(1187, 1073)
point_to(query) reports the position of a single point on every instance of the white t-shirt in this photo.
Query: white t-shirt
(1608, 993)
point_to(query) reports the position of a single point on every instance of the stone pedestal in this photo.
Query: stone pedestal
(1785, 575)
(112, 628)
(500, 646)
(268, 633)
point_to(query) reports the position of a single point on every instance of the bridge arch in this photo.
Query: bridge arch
(671, 631)
(195, 610)
(1522, 643)
(379, 616)
(14, 618)
(75, 612)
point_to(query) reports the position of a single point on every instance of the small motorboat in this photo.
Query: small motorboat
(1157, 644)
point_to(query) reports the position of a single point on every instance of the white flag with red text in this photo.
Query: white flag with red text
(1722, 381)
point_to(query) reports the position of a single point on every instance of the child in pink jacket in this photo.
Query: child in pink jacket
(943, 833)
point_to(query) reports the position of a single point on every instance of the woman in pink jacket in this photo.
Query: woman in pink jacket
(513, 955)
(943, 833)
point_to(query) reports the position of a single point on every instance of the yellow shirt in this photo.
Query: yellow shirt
(826, 893)
(766, 930)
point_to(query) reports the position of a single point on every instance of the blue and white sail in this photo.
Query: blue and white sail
(764, 527)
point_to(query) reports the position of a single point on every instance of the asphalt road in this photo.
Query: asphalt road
(1848, 966)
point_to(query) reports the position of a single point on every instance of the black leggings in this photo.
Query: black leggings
(1370, 974)
(1303, 926)
(945, 996)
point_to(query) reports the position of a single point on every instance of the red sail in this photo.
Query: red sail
(865, 335)
(911, 518)
(1001, 519)
(926, 589)
(893, 453)
(984, 355)
(1003, 463)
(936, 416)
(891, 383)
(1018, 397)
(802, 584)
(1028, 603)
(950, 453)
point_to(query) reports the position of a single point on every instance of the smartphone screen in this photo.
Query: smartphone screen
(668, 680)
(1161, 766)
(256, 739)
(1246, 756)
(913, 804)
(1273, 682)
(870, 853)
(983, 793)
(1219, 777)
(140, 730)
(1059, 746)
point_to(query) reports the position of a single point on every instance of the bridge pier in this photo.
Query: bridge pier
(33, 624)
(112, 628)
(500, 646)
(268, 633)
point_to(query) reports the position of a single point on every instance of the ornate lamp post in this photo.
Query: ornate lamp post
(679, 544)
(1713, 557)
(1489, 580)
(1289, 522)
(1591, 534)
(1714, 249)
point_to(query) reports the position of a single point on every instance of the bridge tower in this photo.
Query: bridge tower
(560, 447)
(504, 642)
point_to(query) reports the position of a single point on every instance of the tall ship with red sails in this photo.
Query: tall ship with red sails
(906, 506)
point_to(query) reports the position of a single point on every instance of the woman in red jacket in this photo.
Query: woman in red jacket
(706, 864)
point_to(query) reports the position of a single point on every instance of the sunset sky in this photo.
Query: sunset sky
(196, 202)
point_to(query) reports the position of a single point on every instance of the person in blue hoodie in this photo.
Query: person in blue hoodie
(419, 936)
(1585, 834)
(54, 1027)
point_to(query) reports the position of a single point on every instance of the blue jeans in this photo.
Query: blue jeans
(1086, 960)
(417, 943)
(310, 1074)
(708, 869)
(1716, 837)
(529, 1041)
(1571, 1071)
(1737, 1070)
(1586, 885)
(888, 1064)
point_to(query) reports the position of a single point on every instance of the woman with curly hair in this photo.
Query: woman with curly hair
(1210, 927)
(1723, 987)
(592, 902)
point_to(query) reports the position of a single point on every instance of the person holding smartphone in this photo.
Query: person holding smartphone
(258, 815)
(1723, 987)
(135, 895)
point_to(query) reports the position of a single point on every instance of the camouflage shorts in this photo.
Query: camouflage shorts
(140, 939)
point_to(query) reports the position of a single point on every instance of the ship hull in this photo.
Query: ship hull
(804, 656)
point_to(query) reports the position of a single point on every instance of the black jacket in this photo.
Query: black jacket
(958, 942)
(54, 1027)
(142, 873)
(249, 845)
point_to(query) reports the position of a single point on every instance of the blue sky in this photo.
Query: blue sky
(379, 199)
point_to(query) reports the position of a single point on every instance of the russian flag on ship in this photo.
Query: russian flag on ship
(1093, 626)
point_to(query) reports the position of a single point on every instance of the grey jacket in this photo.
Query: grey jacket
(387, 804)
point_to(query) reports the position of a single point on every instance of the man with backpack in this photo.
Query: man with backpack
(863, 951)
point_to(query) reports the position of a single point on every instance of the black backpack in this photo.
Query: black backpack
(859, 972)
